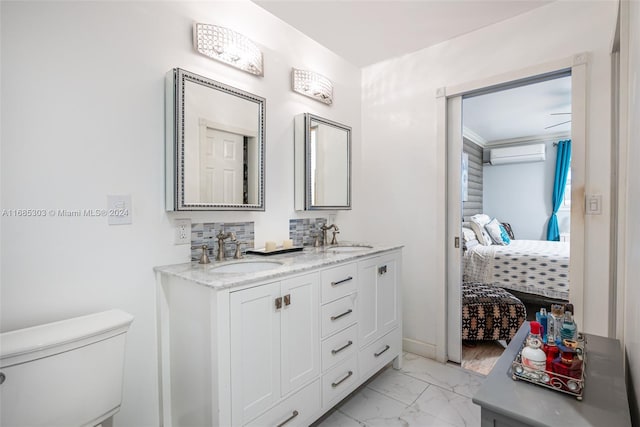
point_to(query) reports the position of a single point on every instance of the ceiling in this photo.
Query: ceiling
(527, 111)
(366, 32)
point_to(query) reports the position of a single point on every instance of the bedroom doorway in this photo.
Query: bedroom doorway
(510, 143)
(453, 134)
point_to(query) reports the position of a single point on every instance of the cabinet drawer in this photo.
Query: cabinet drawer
(338, 282)
(295, 410)
(339, 382)
(380, 352)
(338, 315)
(339, 347)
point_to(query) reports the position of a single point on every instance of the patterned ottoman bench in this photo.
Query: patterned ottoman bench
(490, 313)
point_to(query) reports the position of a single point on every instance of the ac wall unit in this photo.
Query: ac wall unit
(517, 154)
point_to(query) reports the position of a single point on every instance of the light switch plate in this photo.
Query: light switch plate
(594, 204)
(119, 209)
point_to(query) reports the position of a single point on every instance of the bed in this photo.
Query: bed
(537, 267)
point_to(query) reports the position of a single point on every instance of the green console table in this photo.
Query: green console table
(508, 403)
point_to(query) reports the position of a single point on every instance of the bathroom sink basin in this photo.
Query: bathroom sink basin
(246, 267)
(348, 248)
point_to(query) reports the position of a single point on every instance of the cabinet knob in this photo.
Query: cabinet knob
(278, 303)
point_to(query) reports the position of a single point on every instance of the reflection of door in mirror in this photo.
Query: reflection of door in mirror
(215, 145)
(221, 166)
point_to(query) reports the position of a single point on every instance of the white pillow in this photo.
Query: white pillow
(478, 222)
(493, 227)
(468, 234)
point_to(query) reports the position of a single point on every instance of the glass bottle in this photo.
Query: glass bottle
(533, 357)
(554, 323)
(541, 317)
(569, 330)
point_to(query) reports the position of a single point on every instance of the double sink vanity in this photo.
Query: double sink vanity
(273, 340)
(276, 340)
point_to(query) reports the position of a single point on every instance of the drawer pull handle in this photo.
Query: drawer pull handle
(382, 270)
(334, 385)
(293, 415)
(339, 282)
(338, 350)
(278, 303)
(341, 315)
(287, 299)
(380, 353)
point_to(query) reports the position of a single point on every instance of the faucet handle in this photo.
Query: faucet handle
(334, 241)
(204, 258)
(238, 254)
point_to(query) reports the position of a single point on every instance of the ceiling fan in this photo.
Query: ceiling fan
(558, 124)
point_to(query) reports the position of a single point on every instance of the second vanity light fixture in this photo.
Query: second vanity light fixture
(228, 46)
(312, 84)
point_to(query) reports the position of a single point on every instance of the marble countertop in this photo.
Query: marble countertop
(293, 262)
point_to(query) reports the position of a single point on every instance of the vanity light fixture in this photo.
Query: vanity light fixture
(313, 85)
(228, 46)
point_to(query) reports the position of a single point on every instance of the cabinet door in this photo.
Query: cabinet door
(367, 301)
(255, 351)
(378, 297)
(387, 288)
(300, 334)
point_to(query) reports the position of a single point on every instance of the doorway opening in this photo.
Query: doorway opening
(510, 139)
(565, 85)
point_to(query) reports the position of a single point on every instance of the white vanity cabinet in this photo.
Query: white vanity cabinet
(379, 334)
(275, 343)
(280, 351)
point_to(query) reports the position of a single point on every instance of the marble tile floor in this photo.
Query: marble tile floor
(423, 393)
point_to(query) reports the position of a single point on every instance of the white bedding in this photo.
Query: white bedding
(533, 266)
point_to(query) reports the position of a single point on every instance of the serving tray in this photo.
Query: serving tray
(264, 252)
(549, 379)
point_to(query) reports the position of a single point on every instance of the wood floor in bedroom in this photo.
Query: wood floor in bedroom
(480, 356)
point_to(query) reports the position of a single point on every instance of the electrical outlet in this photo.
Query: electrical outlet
(183, 231)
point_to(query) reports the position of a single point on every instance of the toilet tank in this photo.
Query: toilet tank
(67, 373)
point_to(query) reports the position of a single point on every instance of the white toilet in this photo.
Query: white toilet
(63, 374)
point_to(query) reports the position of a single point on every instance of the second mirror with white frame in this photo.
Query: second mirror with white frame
(322, 164)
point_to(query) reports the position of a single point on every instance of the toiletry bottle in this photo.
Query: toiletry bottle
(567, 363)
(541, 317)
(568, 331)
(533, 357)
(554, 323)
(552, 352)
(569, 307)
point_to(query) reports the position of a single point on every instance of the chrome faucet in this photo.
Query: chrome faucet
(324, 229)
(221, 238)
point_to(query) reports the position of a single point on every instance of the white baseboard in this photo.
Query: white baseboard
(420, 348)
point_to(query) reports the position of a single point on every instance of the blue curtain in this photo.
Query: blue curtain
(563, 160)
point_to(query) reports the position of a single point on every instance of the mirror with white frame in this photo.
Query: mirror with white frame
(322, 164)
(214, 145)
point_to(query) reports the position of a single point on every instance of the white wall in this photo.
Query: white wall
(399, 131)
(520, 194)
(632, 290)
(83, 117)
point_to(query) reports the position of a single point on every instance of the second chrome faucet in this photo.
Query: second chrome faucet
(324, 230)
(221, 238)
